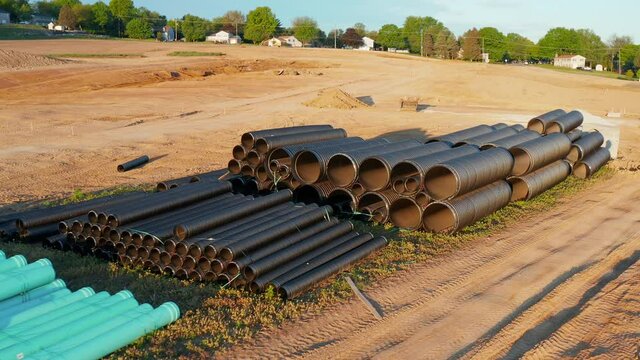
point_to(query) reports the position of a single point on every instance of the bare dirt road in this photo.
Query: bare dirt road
(565, 284)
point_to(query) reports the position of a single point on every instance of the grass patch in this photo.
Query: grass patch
(23, 32)
(214, 318)
(98, 55)
(605, 74)
(194, 53)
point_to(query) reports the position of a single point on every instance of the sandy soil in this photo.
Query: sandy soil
(566, 287)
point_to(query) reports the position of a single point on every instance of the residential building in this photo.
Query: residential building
(290, 41)
(168, 33)
(5, 18)
(224, 37)
(368, 44)
(273, 42)
(570, 61)
(42, 20)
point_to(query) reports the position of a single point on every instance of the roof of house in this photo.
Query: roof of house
(567, 56)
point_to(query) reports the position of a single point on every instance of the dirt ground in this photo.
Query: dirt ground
(564, 285)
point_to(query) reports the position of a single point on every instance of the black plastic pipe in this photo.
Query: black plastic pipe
(536, 153)
(133, 163)
(492, 136)
(539, 123)
(574, 134)
(284, 155)
(265, 144)
(456, 136)
(565, 123)
(591, 163)
(511, 141)
(248, 139)
(587, 144)
(535, 183)
(342, 201)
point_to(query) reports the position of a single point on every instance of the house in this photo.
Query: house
(599, 67)
(168, 34)
(570, 61)
(224, 37)
(290, 41)
(41, 20)
(5, 18)
(368, 44)
(51, 26)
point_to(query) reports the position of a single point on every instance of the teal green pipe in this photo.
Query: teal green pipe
(32, 295)
(45, 308)
(21, 307)
(2, 255)
(28, 343)
(40, 323)
(12, 263)
(26, 278)
(113, 325)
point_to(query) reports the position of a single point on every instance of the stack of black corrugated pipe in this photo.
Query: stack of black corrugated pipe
(265, 154)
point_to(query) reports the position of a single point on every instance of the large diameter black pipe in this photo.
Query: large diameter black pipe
(492, 136)
(205, 190)
(533, 184)
(343, 167)
(406, 213)
(352, 241)
(208, 221)
(539, 123)
(591, 163)
(565, 123)
(133, 163)
(39, 233)
(460, 135)
(240, 264)
(239, 248)
(316, 193)
(342, 201)
(417, 167)
(285, 154)
(375, 172)
(50, 215)
(511, 141)
(310, 165)
(461, 175)
(265, 144)
(248, 139)
(587, 144)
(282, 256)
(298, 285)
(536, 153)
(451, 216)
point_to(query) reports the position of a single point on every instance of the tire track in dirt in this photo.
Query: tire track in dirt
(434, 310)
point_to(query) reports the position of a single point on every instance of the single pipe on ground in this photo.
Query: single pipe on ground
(591, 163)
(587, 144)
(265, 144)
(298, 285)
(536, 153)
(131, 164)
(533, 184)
(453, 215)
(248, 139)
(539, 123)
(565, 123)
(460, 175)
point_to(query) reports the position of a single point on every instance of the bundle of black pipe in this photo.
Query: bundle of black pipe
(265, 144)
(585, 145)
(511, 141)
(375, 171)
(535, 183)
(536, 153)
(591, 163)
(284, 155)
(460, 175)
(407, 177)
(133, 163)
(453, 215)
(491, 136)
(539, 123)
(248, 139)
(310, 165)
(298, 285)
(343, 167)
(565, 123)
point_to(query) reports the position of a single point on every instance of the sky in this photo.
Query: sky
(531, 18)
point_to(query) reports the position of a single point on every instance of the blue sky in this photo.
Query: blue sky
(531, 18)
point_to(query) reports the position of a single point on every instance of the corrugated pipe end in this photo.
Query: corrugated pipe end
(406, 213)
(234, 166)
(307, 167)
(536, 125)
(439, 217)
(374, 174)
(521, 161)
(441, 182)
(341, 170)
(519, 189)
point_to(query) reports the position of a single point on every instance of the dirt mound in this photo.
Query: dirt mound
(15, 60)
(337, 99)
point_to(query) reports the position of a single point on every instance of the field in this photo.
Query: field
(555, 277)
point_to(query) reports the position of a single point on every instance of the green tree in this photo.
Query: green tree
(390, 36)
(67, 18)
(518, 47)
(232, 21)
(84, 16)
(494, 43)
(334, 38)
(152, 17)
(351, 38)
(446, 45)
(194, 28)
(470, 42)
(101, 15)
(415, 27)
(261, 23)
(305, 29)
(138, 28)
(558, 41)
(122, 10)
(19, 10)
(360, 28)
(591, 46)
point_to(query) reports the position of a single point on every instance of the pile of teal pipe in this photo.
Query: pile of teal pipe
(41, 319)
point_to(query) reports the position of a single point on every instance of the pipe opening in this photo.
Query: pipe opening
(182, 249)
(262, 146)
(180, 232)
(405, 213)
(189, 263)
(282, 293)
(233, 268)
(379, 215)
(554, 128)
(307, 194)
(143, 253)
(176, 260)
(404, 170)
(438, 217)
(137, 239)
(92, 216)
(247, 140)
(239, 153)
(210, 276)
(519, 189)
(373, 174)
(412, 184)
(422, 199)
(226, 254)
(195, 251)
(398, 186)
(204, 265)
(441, 182)
(195, 276)
(120, 168)
(487, 146)
(218, 265)
(581, 171)
(249, 274)
(102, 219)
(358, 189)
(261, 173)
(341, 170)
(254, 288)
(210, 252)
(284, 171)
(247, 170)
(273, 166)
(234, 166)
(121, 248)
(182, 274)
(342, 201)
(307, 166)
(154, 255)
(62, 227)
(575, 153)
(132, 251)
(148, 240)
(521, 163)
(165, 258)
(170, 246)
(280, 155)
(536, 125)
(253, 157)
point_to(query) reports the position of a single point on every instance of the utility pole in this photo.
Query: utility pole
(177, 24)
(335, 37)
(619, 62)
(421, 42)
(482, 55)
(236, 34)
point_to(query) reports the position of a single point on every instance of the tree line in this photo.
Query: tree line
(420, 35)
